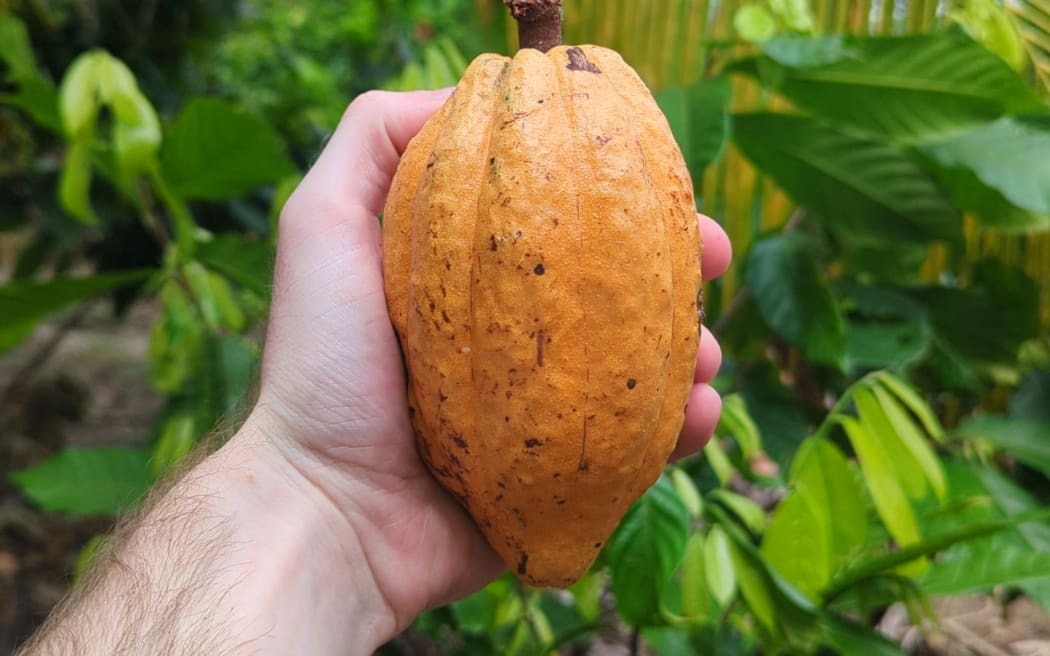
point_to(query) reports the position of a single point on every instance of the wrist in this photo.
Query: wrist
(307, 581)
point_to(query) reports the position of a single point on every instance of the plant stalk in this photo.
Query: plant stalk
(539, 23)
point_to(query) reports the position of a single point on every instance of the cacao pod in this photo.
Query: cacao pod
(542, 267)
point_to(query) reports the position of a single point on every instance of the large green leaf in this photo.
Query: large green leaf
(793, 298)
(1028, 441)
(24, 304)
(98, 481)
(1009, 156)
(645, 550)
(699, 119)
(908, 89)
(867, 192)
(215, 151)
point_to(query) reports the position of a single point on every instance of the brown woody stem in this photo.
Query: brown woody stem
(539, 23)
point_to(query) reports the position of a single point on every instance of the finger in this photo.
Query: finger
(718, 252)
(708, 357)
(701, 418)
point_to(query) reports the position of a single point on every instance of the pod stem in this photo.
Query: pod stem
(539, 23)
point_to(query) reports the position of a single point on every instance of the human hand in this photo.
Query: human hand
(332, 399)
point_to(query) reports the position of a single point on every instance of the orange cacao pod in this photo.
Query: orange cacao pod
(542, 264)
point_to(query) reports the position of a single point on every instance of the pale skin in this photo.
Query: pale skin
(315, 529)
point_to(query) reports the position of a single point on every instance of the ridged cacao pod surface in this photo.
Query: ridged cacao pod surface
(542, 267)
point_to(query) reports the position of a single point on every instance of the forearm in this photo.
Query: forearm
(238, 557)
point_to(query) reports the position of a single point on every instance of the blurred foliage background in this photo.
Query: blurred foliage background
(882, 168)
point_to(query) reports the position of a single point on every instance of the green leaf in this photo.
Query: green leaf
(795, 51)
(866, 192)
(988, 23)
(884, 327)
(793, 298)
(1008, 155)
(718, 566)
(686, 490)
(754, 589)
(749, 512)
(97, 481)
(645, 550)
(1030, 19)
(754, 23)
(987, 204)
(78, 94)
(699, 120)
(907, 395)
(874, 566)
(24, 304)
(893, 344)
(249, 263)
(796, 544)
(909, 89)
(1013, 500)
(833, 485)
(587, 593)
(237, 361)
(850, 638)
(984, 569)
(17, 52)
(86, 557)
(214, 298)
(1028, 441)
(912, 440)
(777, 412)
(996, 289)
(480, 612)
(74, 187)
(214, 151)
(909, 470)
(736, 421)
(177, 439)
(1032, 398)
(696, 599)
(177, 340)
(719, 461)
(796, 14)
(821, 522)
(136, 135)
(881, 479)
(34, 94)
